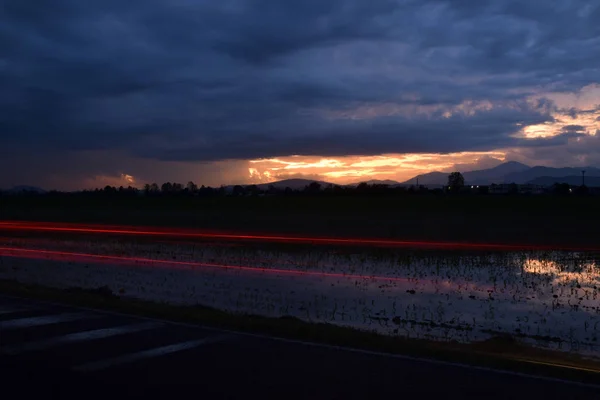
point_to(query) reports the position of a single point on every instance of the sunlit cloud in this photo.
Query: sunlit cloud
(254, 174)
(580, 108)
(540, 130)
(354, 173)
(349, 169)
(128, 178)
(100, 181)
(409, 110)
(306, 163)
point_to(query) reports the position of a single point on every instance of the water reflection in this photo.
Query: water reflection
(548, 299)
(586, 274)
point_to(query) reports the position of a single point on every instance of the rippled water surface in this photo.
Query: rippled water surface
(547, 299)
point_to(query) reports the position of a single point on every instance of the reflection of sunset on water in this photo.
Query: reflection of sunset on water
(544, 298)
(587, 274)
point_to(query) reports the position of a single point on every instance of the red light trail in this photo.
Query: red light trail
(43, 244)
(272, 238)
(136, 261)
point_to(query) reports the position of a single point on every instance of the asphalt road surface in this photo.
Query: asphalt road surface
(57, 352)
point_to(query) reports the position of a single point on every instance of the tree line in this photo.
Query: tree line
(455, 185)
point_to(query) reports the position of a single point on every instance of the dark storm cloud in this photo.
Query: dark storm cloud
(263, 30)
(583, 151)
(205, 80)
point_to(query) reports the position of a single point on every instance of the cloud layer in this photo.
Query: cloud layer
(204, 81)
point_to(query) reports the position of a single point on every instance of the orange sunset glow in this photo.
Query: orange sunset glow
(401, 167)
(350, 169)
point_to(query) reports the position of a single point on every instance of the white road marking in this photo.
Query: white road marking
(156, 352)
(78, 337)
(39, 321)
(424, 360)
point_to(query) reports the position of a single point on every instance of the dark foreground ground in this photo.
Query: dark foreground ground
(54, 351)
(546, 220)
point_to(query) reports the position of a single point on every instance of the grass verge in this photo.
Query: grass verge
(499, 353)
(515, 220)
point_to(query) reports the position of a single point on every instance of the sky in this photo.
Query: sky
(101, 92)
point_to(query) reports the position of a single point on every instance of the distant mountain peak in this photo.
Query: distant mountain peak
(515, 163)
(508, 172)
(293, 183)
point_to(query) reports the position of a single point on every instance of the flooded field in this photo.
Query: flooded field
(547, 299)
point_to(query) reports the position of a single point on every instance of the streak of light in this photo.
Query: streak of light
(83, 257)
(29, 241)
(194, 234)
(299, 266)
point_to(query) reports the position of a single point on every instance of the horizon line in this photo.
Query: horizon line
(320, 180)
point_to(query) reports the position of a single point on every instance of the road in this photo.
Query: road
(63, 352)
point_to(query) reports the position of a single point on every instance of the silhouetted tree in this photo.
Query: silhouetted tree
(177, 187)
(313, 187)
(238, 190)
(456, 181)
(253, 190)
(380, 188)
(561, 188)
(362, 187)
(206, 191)
(191, 187)
(166, 187)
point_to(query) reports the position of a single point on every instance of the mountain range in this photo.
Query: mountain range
(508, 172)
(294, 184)
(514, 172)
